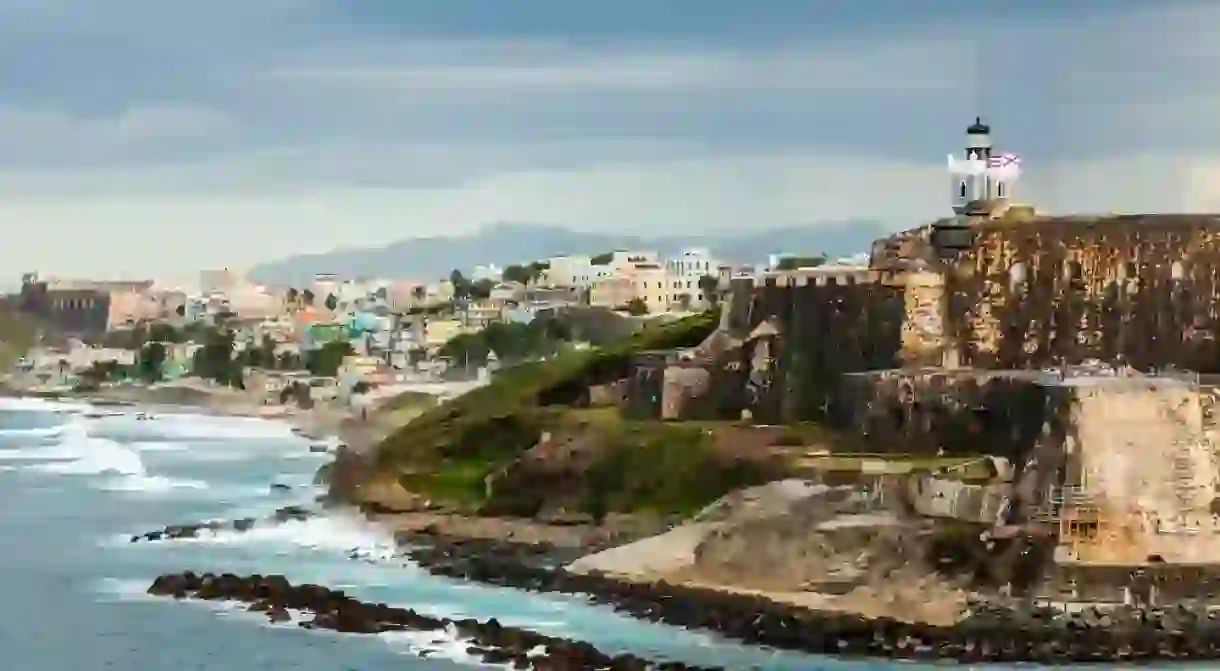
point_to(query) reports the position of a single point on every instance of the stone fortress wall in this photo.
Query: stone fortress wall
(1077, 349)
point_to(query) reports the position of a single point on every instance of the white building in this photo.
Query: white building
(982, 175)
(623, 260)
(692, 264)
(571, 271)
(487, 272)
(324, 284)
(685, 271)
(651, 284)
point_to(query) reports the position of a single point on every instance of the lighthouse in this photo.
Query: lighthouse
(983, 174)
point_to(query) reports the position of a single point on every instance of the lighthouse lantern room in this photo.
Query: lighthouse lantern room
(982, 175)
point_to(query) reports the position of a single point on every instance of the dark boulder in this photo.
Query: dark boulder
(490, 641)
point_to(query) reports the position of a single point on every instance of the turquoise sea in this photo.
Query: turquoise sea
(74, 486)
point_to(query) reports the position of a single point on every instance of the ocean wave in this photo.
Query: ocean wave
(150, 484)
(46, 453)
(158, 446)
(340, 534)
(43, 405)
(76, 452)
(35, 432)
(444, 644)
(87, 455)
(191, 427)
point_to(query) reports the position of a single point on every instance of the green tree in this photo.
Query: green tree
(797, 262)
(307, 297)
(161, 332)
(214, 360)
(326, 360)
(332, 302)
(461, 285)
(288, 361)
(537, 268)
(466, 349)
(292, 295)
(250, 355)
(518, 273)
(267, 353)
(710, 286)
(101, 371)
(603, 259)
(151, 364)
(481, 289)
(137, 336)
(509, 341)
(636, 307)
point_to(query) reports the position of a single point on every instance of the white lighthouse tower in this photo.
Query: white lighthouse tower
(982, 175)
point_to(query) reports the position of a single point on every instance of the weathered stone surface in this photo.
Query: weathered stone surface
(1142, 287)
(990, 633)
(331, 609)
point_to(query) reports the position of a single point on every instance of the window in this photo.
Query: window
(999, 189)
(962, 190)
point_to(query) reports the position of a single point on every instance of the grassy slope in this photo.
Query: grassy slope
(448, 450)
(475, 423)
(17, 335)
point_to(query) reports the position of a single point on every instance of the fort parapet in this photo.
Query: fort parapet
(1036, 339)
(1079, 350)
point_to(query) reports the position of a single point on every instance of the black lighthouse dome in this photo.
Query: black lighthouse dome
(978, 128)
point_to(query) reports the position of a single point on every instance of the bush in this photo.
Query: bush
(664, 469)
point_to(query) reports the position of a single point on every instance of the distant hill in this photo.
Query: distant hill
(503, 244)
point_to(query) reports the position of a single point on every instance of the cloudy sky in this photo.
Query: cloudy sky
(156, 137)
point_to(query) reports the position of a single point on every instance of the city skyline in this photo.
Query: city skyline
(149, 140)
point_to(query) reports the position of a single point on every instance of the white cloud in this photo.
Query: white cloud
(524, 69)
(294, 144)
(36, 136)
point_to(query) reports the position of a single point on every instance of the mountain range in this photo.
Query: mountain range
(507, 243)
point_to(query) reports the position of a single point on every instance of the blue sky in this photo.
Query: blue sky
(146, 137)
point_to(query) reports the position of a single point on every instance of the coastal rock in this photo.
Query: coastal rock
(292, 513)
(490, 641)
(989, 633)
(179, 531)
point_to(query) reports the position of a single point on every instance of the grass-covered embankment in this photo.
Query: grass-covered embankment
(448, 452)
(496, 418)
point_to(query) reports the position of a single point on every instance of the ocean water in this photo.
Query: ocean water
(74, 487)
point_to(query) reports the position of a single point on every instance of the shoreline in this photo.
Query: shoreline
(990, 634)
(535, 557)
(487, 640)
